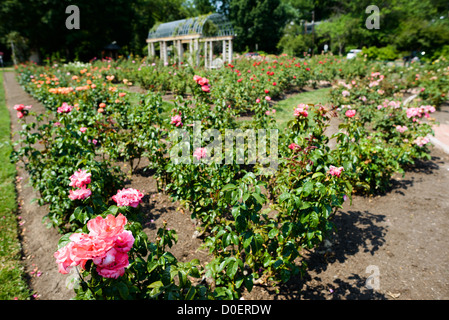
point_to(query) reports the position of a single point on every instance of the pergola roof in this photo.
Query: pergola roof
(212, 25)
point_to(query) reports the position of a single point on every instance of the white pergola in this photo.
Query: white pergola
(199, 34)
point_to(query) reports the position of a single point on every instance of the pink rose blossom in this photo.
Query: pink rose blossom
(107, 245)
(116, 268)
(21, 107)
(83, 129)
(301, 110)
(80, 194)
(401, 129)
(203, 81)
(80, 178)
(63, 258)
(128, 197)
(421, 141)
(335, 171)
(176, 120)
(200, 153)
(350, 113)
(65, 108)
(20, 114)
(294, 146)
(124, 241)
(345, 93)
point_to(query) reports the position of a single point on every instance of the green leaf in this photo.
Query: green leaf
(232, 268)
(308, 188)
(258, 198)
(273, 233)
(227, 187)
(122, 289)
(317, 174)
(64, 240)
(156, 284)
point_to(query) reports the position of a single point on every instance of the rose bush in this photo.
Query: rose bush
(255, 222)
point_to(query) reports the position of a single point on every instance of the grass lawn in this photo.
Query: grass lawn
(12, 280)
(284, 108)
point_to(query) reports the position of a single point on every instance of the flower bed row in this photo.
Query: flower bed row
(253, 220)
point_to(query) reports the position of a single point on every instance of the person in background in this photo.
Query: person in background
(1, 59)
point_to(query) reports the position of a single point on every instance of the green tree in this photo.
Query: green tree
(257, 23)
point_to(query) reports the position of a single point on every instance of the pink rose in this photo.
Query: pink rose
(421, 141)
(106, 245)
(176, 120)
(19, 114)
(115, 268)
(205, 88)
(63, 258)
(294, 146)
(203, 81)
(128, 197)
(124, 241)
(350, 113)
(200, 153)
(196, 78)
(83, 129)
(301, 110)
(65, 108)
(335, 171)
(80, 194)
(80, 178)
(109, 227)
(19, 107)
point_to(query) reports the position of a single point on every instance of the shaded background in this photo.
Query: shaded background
(37, 28)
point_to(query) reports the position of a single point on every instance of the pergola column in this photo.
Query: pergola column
(163, 52)
(180, 51)
(211, 53)
(230, 51)
(196, 48)
(224, 51)
(151, 51)
(205, 54)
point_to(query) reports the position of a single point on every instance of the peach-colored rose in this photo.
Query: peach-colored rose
(108, 227)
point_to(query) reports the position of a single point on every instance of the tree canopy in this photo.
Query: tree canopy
(273, 26)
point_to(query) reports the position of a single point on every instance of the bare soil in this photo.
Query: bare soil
(399, 237)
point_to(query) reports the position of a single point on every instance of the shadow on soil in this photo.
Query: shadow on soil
(355, 231)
